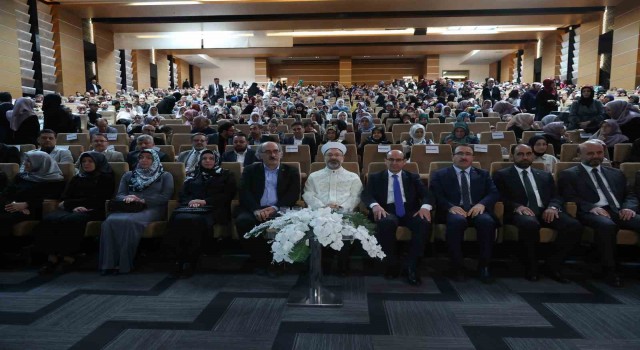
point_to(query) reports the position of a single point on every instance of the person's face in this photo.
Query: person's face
(88, 165)
(153, 110)
(331, 135)
(309, 128)
(47, 140)
(591, 154)
(208, 161)
(216, 81)
(523, 157)
(254, 130)
(273, 128)
(605, 129)
(419, 133)
(145, 160)
(365, 123)
(395, 161)
(333, 158)
(82, 110)
(146, 144)
(540, 146)
(607, 110)
(102, 126)
(148, 130)
(376, 134)
(199, 142)
(298, 131)
(141, 100)
(155, 123)
(240, 144)
(100, 143)
(459, 132)
(586, 93)
(463, 157)
(93, 108)
(271, 155)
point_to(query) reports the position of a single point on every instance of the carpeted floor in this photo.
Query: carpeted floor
(228, 309)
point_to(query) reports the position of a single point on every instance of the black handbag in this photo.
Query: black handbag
(123, 207)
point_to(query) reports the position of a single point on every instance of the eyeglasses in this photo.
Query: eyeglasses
(395, 160)
(461, 154)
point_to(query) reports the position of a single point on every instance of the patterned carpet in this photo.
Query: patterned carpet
(225, 309)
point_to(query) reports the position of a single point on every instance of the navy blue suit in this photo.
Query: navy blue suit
(445, 187)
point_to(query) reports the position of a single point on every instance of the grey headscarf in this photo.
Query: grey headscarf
(43, 168)
(22, 110)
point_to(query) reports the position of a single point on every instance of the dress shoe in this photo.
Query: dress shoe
(614, 280)
(532, 276)
(484, 275)
(412, 277)
(556, 275)
(48, 268)
(187, 270)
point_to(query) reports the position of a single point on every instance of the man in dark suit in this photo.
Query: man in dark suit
(240, 153)
(531, 202)
(223, 136)
(215, 91)
(465, 196)
(382, 194)
(491, 91)
(93, 86)
(265, 188)
(256, 137)
(604, 203)
(298, 138)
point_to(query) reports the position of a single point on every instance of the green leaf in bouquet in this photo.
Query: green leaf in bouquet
(359, 219)
(300, 251)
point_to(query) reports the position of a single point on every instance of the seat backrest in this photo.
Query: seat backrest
(122, 149)
(68, 170)
(76, 151)
(390, 122)
(350, 138)
(529, 134)
(398, 129)
(493, 154)
(169, 151)
(178, 140)
(243, 128)
(621, 151)
(121, 139)
(283, 128)
(420, 156)
(188, 147)
(569, 152)
(495, 166)
(300, 154)
(181, 129)
(373, 154)
(236, 169)
(73, 139)
(11, 169)
(491, 120)
(630, 170)
(502, 138)
(177, 171)
(438, 129)
(122, 129)
(119, 169)
(171, 122)
(450, 119)
(494, 115)
(349, 166)
(297, 166)
(501, 126)
(561, 166)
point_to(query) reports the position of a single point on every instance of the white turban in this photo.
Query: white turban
(329, 145)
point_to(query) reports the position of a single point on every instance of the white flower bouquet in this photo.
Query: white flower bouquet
(294, 228)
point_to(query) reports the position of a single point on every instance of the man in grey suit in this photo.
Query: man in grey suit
(102, 126)
(100, 143)
(604, 203)
(47, 142)
(191, 157)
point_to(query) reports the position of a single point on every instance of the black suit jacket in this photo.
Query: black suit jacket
(91, 89)
(252, 186)
(313, 148)
(263, 139)
(231, 156)
(446, 189)
(214, 97)
(576, 186)
(415, 193)
(513, 193)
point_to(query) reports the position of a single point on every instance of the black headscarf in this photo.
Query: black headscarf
(587, 101)
(102, 165)
(532, 142)
(204, 172)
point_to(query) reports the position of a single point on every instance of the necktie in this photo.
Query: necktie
(397, 197)
(464, 186)
(531, 195)
(607, 194)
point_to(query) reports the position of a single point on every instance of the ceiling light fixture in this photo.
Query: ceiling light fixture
(407, 31)
(471, 30)
(183, 34)
(159, 3)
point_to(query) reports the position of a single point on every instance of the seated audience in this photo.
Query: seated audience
(191, 157)
(102, 126)
(586, 113)
(460, 136)
(627, 116)
(23, 123)
(47, 142)
(539, 144)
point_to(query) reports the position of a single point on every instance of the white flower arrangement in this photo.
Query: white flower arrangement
(293, 229)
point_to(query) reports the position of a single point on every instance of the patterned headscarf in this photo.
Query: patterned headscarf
(143, 178)
(204, 172)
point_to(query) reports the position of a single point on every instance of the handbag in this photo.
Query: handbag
(194, 210)
(123, 207)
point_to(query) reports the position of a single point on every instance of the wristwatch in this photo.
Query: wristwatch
(554, 208)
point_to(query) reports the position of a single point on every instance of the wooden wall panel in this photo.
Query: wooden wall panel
(589, 60)
(493, 70)
(528, 59)
(311, 72)
(140, 61)
(374, 71)
(163, 69)
(106, 68)
(551, 46)
(625, 70)
(197, 79)
(262, 71)
(10, 68)
(507, 67)
(183, 71)
(345, 66)
(432, 67)
(69, 51)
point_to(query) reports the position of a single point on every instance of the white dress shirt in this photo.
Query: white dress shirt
(325, 187)
(533, 183)
(390, 194)
(603, 200)
(240, 157)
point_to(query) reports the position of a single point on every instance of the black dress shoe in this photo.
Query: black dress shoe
(187, 270)
(412, 277)
(532, 276)
(484, 275)
(48, 268)
(614, 280)
(557, 276)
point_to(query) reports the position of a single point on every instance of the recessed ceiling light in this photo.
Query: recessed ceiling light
(314, 33)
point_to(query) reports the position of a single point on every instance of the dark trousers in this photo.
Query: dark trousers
(257, 247)
(62, 232)
(7, 220)
(485, 226)
(606, 230)
(568, 237)
(386, 235)
(186, 233)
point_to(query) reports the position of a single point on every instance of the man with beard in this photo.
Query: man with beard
(47, 142)
(531, 202)
(604, 203)
(191, 157)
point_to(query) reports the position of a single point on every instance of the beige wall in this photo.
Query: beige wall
(261, 71)
(528, 60)
(106, 67)
(589, 60)
(69, 51)
(493, 70)
(183, 71)
(345, 67)
(431, 69)
(625, 64)
(196, 76)
(163, 69)
(507, 67)
(10, 68)
(141, 60)
(551, 45)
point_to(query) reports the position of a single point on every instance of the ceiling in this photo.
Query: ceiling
(245, 28)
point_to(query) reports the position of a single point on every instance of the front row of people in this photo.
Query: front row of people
(464, 196)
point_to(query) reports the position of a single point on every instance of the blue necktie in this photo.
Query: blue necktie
(397, 197)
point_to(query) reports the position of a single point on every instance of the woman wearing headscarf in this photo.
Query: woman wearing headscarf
(60, 233)
(460, 135)
(253, 90)
(555, 135)
(365, 124)
(255, 118)
(610, 133)
(210, 188)
(486, 108)
(548, 119)
(23, 122)
(377, 137)
(148, 184)
(520, 123)
(417, 135)
(446, 113)
(56, 118)
(587, 112)
(539, 145)
(331, 135)
(627, 117)
(505, 109)
(546, 99)
(465, 117)
(40, 178)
